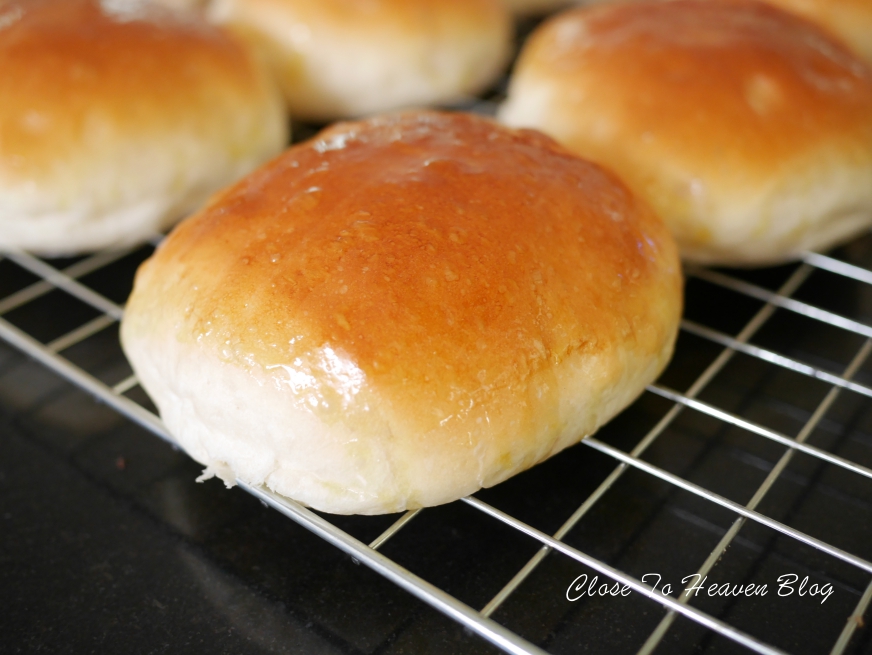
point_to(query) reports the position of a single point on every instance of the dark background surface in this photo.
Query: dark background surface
(108, 545)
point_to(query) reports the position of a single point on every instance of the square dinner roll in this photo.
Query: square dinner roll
(402, 311)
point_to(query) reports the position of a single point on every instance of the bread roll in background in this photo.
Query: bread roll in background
(119, 117)
(849, 20)
(748, 129)
(346, 58)
(403, 310)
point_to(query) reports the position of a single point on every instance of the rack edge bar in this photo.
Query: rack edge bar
(487, 628)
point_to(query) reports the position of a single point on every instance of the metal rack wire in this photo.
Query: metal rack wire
(68, 280)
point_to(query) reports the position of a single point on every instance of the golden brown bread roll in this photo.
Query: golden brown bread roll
(849, 20)
(746, 128)
(403, 310)
(119, 116)
(344, 58)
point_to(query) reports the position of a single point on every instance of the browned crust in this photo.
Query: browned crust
(727, 82)
(71, 69)
(445, 256)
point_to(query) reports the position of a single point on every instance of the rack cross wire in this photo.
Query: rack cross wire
(68, 280)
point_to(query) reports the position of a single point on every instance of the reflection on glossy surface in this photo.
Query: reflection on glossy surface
(403, 310)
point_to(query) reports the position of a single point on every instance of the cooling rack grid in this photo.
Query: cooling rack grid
(767, 403)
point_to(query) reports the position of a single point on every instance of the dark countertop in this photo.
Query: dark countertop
(108, 545)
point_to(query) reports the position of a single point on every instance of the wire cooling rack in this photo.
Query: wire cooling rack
(809, 322)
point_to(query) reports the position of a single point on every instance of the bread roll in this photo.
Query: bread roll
(118, 117)
(746, 128)
(345, 58)
(402, 311)
(849, 20)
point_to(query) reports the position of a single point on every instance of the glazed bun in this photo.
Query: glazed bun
(402, 311)
(119, 117)
(849, 20)
(747, 129)
(344, 58)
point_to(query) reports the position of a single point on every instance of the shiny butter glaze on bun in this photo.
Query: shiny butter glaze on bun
(403, 310)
